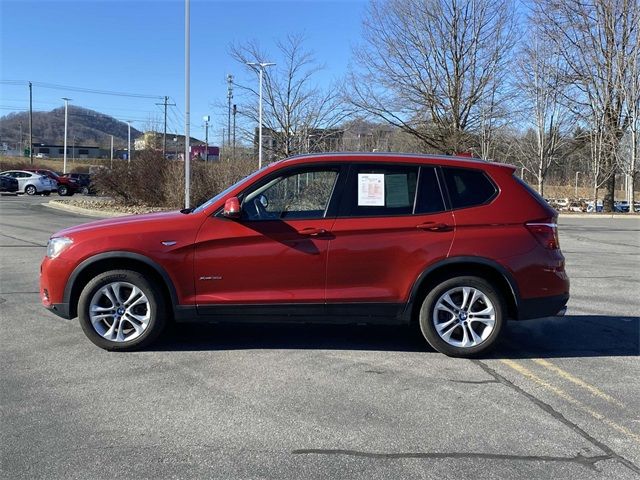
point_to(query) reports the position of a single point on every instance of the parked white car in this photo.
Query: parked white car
(32, 183)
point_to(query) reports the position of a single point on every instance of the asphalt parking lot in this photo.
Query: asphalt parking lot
(559, 398)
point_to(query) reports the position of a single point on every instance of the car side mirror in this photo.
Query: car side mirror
(232, 208)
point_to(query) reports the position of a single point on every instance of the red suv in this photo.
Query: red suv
(453, 245)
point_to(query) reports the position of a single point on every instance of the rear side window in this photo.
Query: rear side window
(380, 190)
(429, 198)
(467, 187)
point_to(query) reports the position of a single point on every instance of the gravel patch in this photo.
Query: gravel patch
(108, 206)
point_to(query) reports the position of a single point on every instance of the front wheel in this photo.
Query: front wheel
(121, 310)
(62, 190)
(462, 316)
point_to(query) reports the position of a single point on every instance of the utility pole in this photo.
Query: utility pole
(111, 152)
(261, 66)
(21, 146)
(206, 137)
(229, 98)
(235, 110)
(66, 116)
(31, 121)
(164, 136)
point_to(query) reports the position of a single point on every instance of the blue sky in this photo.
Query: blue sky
(138, 47)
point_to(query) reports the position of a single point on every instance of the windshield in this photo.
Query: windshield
(213, 200)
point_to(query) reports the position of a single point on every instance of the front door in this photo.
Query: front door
(276, 253)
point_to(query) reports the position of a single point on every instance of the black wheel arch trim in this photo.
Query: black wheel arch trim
(116, 255)
(480, 261)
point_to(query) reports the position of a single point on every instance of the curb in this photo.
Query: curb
(599, 215)
(83, 211)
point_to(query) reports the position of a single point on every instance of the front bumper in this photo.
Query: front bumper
(543, 307)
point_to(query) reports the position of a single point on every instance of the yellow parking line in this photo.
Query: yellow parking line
(577, 381)
(565, 396)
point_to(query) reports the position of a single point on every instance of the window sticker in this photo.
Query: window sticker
(397, 190)
(371, 189)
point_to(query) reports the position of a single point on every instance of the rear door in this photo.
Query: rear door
(391, 225)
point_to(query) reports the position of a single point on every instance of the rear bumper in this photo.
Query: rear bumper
(542, 307)
(60, 309)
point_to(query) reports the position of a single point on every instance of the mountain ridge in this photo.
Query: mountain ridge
(85, 127)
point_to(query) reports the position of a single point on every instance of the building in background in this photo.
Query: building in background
(43, 150)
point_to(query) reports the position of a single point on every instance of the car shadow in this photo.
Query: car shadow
(569, 336)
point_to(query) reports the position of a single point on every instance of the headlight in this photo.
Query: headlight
(56, 245)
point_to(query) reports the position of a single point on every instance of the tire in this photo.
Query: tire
(85, 190)
(30, 190)
(462, 332)
(137, 325)
(63, 190)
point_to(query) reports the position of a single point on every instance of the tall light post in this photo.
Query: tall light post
(129, 141)
(576, 195)
(66, 108)
(187, 102)
(260, 66)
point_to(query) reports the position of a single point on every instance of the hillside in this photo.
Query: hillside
(87, 126)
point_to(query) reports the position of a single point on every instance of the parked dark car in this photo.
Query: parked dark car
(8, 184)
(85, 182)
(66, 186)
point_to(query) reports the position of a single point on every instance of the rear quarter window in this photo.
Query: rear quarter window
(468, 187)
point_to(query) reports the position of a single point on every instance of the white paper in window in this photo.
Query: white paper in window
(371, 189)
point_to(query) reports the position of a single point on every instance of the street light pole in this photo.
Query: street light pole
(261, 66)
(187, 101)
(66, 107)
(111, 152)
(576, 195)
(129, 141)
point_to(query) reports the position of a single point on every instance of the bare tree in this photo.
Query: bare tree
(296, 113)
(540, 79)
(596, 39)
(434, 68)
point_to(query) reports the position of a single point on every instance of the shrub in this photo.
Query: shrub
(153, 181)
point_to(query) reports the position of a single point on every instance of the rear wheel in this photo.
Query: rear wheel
(462, 316)
(121, 310)
(30, 190)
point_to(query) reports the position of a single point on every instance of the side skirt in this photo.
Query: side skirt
(343, 313)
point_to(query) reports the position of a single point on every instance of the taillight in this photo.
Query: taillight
(545, 233)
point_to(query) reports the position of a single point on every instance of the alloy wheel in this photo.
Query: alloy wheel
(119, 312)
(464, 317)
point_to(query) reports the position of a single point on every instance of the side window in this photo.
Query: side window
(429, 198)
(467, 187)
(380, 190)
(300, 195)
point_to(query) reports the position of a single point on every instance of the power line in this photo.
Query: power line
(55, 86)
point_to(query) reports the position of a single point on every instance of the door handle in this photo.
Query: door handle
(434, 227)
(312, 231)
